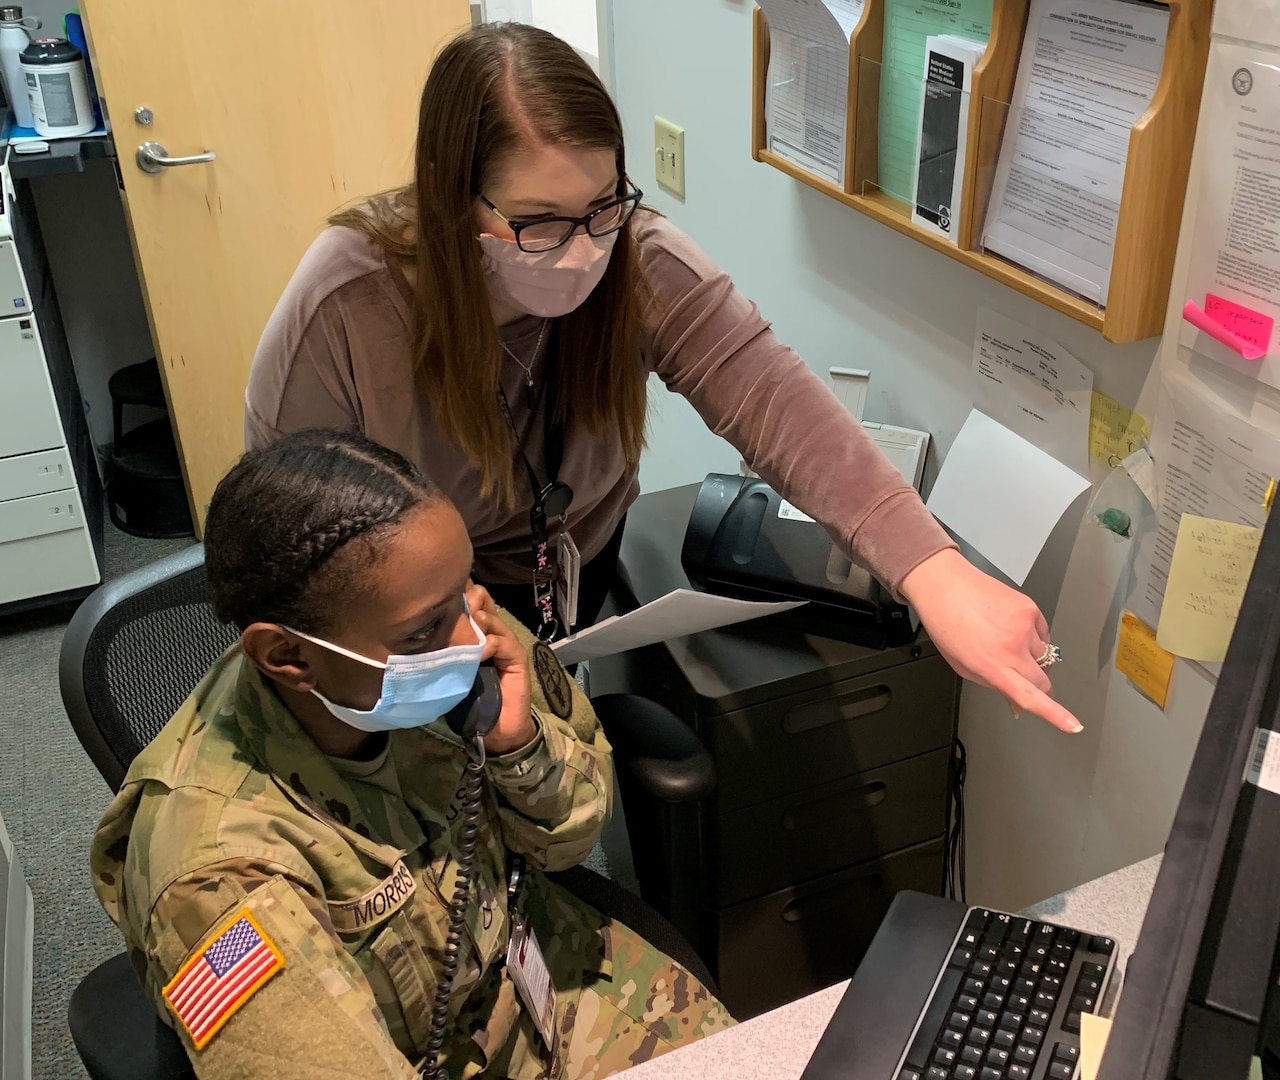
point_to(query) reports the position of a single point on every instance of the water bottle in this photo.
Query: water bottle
(13, 39)
(57, 87)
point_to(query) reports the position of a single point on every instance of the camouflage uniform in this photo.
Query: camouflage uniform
(347, 868)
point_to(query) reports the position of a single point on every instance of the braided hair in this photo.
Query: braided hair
(284, 511)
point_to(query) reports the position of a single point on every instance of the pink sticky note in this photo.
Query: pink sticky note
(1246, 331)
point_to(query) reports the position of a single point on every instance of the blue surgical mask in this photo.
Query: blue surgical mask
(416, 688)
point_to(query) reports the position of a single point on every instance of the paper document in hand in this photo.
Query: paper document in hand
(1209, 463)
(1233, 280)
(907, 25)
(1212, 561)
(1002, 494)
(807, 85)
(1034, 387)
(1087, 74)
(680, 612)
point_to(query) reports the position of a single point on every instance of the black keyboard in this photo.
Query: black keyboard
(1007, 1004)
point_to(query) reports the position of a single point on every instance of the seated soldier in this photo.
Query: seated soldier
(283, 859)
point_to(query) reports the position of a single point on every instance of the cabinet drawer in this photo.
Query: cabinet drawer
(29, 418)
(831, 733)
(809, 833)
(794, 941)
(40, 515)
(44, 547)
(35, 474)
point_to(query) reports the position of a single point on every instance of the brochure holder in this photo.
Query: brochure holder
(1132, 304)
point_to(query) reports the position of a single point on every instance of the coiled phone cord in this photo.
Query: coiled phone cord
(473, 780)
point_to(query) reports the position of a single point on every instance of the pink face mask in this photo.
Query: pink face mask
(549, 283)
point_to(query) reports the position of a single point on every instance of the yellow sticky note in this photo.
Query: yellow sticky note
(1211, 564)
(1115, 431)
(1142, 660)
(1094, 1032)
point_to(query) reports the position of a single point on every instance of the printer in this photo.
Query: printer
(744, 540)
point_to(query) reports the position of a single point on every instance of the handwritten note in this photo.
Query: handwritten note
(1142, 661)
(1212, 561)
(1247, 324)
(1246, 343)
(1115, 431)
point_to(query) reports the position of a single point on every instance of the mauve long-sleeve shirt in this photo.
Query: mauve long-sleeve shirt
(335, 354)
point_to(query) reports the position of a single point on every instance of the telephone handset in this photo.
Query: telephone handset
(477, 713)
(471, 720)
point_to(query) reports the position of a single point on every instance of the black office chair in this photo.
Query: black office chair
(132, 654)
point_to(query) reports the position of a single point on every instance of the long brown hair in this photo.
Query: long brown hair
(467, 128)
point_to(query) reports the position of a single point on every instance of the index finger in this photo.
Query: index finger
(478, 598)
(500, 642)
(1028, 698)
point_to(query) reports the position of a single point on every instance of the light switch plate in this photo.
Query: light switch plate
(668, 153)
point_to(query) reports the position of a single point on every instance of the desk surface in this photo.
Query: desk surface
(777, 1045)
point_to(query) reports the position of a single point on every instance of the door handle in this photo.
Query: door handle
(152, 158)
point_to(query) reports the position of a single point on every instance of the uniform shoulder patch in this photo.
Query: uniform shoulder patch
(221, 977)
(554, 680)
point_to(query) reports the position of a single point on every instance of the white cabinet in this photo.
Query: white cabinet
(46, 545)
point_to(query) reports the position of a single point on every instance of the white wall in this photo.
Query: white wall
(573, 20)
(576, 21)
(844, 290)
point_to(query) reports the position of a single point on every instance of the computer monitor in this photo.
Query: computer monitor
(1200, 997)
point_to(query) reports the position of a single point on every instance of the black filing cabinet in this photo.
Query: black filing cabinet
(832, 765)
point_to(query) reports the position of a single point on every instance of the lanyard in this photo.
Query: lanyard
(553, 500)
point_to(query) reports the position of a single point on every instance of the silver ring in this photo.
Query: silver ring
(1051, 655)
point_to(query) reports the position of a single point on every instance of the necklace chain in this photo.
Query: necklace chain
(527, 368)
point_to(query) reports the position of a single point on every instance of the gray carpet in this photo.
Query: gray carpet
(51, 797)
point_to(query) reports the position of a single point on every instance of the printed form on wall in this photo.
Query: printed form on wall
(1087, 73)
(1209, 463)
(807, 97)
(1233, 287)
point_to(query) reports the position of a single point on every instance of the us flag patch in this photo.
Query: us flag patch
(220, 978)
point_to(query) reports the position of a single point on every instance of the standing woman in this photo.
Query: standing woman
(496, 321)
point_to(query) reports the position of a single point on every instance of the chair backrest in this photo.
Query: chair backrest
(133, 653)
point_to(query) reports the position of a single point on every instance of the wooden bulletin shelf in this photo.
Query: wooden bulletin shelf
(1155, 178)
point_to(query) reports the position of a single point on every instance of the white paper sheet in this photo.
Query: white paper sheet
(1087, 73)
(1142, 471)
(1235, 252)
(1209, 463)
(1002, 494)
(1034, 387)
(680, 612)
(807, 85)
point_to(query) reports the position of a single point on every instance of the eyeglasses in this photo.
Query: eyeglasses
(540, 234)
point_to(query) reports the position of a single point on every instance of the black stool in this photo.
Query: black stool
(137, 384)
(145, 492)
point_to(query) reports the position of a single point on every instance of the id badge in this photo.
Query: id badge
(568, 571)
(529, 972)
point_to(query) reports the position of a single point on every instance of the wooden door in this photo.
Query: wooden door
(308, 105)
